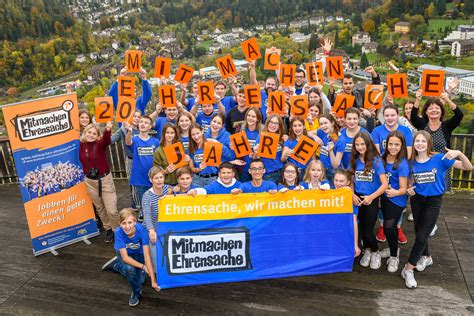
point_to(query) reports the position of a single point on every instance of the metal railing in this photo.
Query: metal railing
(462, 180)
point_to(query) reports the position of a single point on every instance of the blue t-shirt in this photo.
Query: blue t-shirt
(216, 187)
(403, 170)
(197, 158)
(380, 133)
(344, 145)
(192, 186)
(429, 175)
(134, 245)
(266, 186)
(205, 121)
(368, 183)
(264, 107)
(190, 104)
(324, 152)
(228, 102)
(159, 124)
(185, 142)
(143, 151)
(224, 138)
(355, 209)
(253, 137)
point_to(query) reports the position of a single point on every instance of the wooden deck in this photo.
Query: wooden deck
(72, 283)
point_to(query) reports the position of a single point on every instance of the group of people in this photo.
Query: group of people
(382, 155)
(51, 179)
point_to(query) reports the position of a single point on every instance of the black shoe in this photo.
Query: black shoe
(109, 236)
(109, 265)
(140, 217)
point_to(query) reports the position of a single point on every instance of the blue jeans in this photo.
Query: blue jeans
(134, 276)
(138, 191)
(201, 182)
(380, 217)
(330, 172)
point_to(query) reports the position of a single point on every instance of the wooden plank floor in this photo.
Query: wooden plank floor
(72, 283)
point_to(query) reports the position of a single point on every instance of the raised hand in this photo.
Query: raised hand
(327, 45)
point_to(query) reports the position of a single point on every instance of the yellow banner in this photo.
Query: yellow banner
(184, 208)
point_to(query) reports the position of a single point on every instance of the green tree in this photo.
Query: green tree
(364, 61)
(313, 42)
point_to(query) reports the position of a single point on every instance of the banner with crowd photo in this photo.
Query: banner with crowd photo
(231, 238)
(44, 138)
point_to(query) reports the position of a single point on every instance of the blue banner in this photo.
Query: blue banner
(253, 245)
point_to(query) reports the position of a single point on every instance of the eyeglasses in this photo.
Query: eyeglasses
(290, 171)
(256, 169)
(273, 123)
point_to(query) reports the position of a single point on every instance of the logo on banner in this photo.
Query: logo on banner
(44, 123)
(425, 177)
(208, 250)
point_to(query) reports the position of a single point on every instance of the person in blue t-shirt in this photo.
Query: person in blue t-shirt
(203, 174)
(218, 133)
(394, 200)
(380, 133)
(143, 100)
(428, 170)
(343, 146)
(297, 130)
(224, 184)
(342, 179)
(143, 147)
(185, 120)
(328, 132)
(252, 126)
(227, 101)
(133, 259)
(273, 124)
(379, 136)
(189, 102)
(171, 114)
(257, 185)
(185, 181)
(370, 182)
(289, 179)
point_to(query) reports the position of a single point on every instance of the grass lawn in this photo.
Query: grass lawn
(206, 44)
(435, 24)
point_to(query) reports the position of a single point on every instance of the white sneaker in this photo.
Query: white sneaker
(392, 264)
(410, 217)
(384, 254)
(433, 232)
(424, 262)
(365, 260)
(409, 277)
(375, 261)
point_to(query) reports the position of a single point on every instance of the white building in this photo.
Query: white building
(466, 86)
(463, 32)
(462, 47)
(298, 37)
(360, 38)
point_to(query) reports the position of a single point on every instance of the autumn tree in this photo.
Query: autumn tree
(369, 26)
